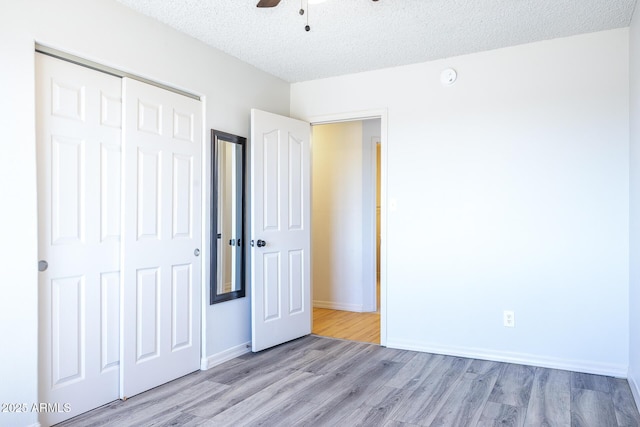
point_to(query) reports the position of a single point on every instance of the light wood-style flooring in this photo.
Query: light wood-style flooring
(316, 381)
(348, 325)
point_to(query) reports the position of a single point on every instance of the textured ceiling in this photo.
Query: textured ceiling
(349, 36)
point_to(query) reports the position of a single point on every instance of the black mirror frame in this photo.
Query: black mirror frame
(215, 297)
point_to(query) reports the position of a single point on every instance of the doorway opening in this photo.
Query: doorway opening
(346, 229)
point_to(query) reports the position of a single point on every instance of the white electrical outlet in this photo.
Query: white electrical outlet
(509, 319)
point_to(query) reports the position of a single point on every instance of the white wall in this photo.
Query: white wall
(512, 192)
(338, 220)
(634, 208)
(106, 32)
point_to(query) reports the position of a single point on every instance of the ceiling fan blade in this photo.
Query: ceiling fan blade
(268, 3)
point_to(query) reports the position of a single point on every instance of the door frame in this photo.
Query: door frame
(352, 116)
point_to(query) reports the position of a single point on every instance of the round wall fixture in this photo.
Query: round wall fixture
(448, 77)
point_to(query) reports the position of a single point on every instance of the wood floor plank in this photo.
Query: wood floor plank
(395, 423)
(326, 387)
(335, 411)
(386, 399)
(414, 371)
(379, 372)
(265, 361)
(500, 415)
(482, 367)
(184, 399)
(591, 408)
(377, 410)
(376, 362)
(168, 418)
(306, 355)
(248, 369)
(464, 405)
(550, 401)
(178, 403)
(285, 415)
(266, 400)
(236, 394)
(623, 403)
(426, 400)
(590, 382)
(271, 360)
(337, 364)
(383, 394)
(513, 386)
(147, 406)
(362, 417)
(342, 402)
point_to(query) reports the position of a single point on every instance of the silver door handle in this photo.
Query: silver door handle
(43, 265)
(196, 252)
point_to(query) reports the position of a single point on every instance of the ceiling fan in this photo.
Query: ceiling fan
(268, 3)
(274, 3)
(271, 3)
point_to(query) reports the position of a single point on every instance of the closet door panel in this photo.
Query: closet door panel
(78, 154)
(162, 237)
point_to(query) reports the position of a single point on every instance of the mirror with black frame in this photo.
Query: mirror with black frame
(227, 225)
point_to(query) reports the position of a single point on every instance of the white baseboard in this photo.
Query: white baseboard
(338, 306)
(585, 366)
(223, 356)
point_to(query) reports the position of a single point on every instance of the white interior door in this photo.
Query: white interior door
(78, 147)
(161, 266)
(280, 229)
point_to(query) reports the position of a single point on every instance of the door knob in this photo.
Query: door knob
(196, 252)
(261, 243)
(43, 265)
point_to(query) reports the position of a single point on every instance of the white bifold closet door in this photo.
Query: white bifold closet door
(78, 153)
(119, 199)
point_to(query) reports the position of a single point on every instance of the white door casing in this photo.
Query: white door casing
(78, 153)
(280, 217)
(162, 233)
